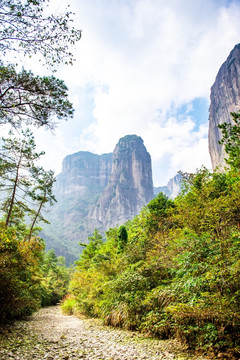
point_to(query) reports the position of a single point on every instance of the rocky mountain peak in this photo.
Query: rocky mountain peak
(130, 186)
(174, 185)
(225, 98)
(83, 170)
(98, 191)
(172, 189)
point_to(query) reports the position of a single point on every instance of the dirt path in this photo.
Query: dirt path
(50, 335)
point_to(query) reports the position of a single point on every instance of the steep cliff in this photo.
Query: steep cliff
(98, 191)
(84, 175)
(172, 189)
(83, 171)
(225, 98)
(130, 186)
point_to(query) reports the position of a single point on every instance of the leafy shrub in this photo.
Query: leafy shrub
(55, 279)
(178, 271)
(19, 274)
(68, 305)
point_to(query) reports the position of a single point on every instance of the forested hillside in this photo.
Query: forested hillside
(173, 271)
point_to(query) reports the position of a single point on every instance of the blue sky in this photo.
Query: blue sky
(144, 67)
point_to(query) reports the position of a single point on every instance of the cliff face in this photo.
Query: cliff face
(174, 185)
(82, 171)
(130, 186)
(84, 175)
(98, 191)
(172, 189)
(225, 98)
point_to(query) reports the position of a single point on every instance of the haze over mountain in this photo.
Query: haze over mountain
(99, 191)
(172, 188)
(84, 176)
(102, 191)
(130, 186)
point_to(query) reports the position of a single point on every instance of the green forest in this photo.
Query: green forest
(171, 272)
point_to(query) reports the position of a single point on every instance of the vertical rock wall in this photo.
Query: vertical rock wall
(225, 98)
(83, 171)
(130, 186)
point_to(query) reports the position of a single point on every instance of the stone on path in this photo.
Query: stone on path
(49, 335)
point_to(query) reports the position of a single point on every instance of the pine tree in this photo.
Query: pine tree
(231, 141)
(25, 187)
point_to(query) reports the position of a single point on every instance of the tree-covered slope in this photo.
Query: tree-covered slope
(174, 270)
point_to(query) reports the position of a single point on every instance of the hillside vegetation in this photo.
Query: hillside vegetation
(174, 270)
(29, 277)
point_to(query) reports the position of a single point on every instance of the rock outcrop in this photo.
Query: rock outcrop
(172, 189)
(83, 171)
(174, 185)
(225, 98)
(98, 191)
(84, 176)
(130, 186)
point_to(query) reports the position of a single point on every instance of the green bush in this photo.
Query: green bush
(174, 270)
(19, 274)
(68, 305)
(55, 279)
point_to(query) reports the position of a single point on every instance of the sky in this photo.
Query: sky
(144, 67)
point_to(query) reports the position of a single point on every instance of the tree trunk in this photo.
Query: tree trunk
(35, 219)
(14, 193)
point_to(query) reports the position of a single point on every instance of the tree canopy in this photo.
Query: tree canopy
(231, 140)
(32, 99)
(26, 27)
(177, 274)
(24, 186)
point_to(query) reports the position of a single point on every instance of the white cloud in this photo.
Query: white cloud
(143, 58)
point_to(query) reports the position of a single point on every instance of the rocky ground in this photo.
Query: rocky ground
(50, 335)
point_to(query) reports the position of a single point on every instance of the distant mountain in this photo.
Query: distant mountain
(130, 186)
(164, 189)
(84, 176)
(225, 98)
(83, 172)
(172, 189)
(98, 191)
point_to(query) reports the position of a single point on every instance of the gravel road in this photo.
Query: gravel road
(50, 335)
